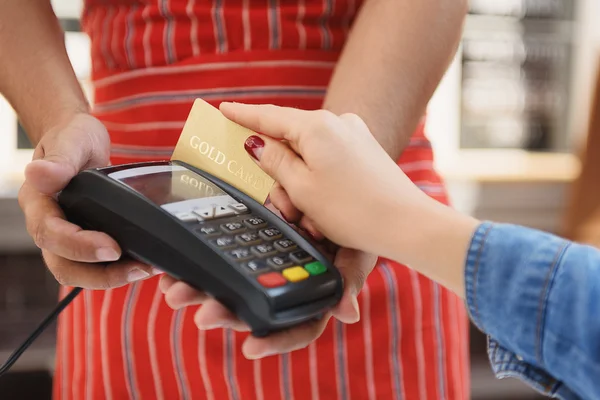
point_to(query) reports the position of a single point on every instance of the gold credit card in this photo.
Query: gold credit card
(214, 144)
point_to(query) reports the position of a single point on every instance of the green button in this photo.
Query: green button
(315, 268)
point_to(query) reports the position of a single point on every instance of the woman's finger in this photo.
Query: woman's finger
(277, 160)
(274, 121)
(282, 202)
(309, 226)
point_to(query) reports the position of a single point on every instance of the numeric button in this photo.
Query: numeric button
(270, 234)
(240, 254)
(225, 242)
(208, 231)
(280, 261)
(264, 250)
(301, 256)
(285, 245)
(255, 223)
(248, 239)
(233, 227)
(256, 265)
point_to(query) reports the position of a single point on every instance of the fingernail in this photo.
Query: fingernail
(254, 146)
(156, 271)
(162, 285)
(107, 254)
(356, 307)
(208, 327)
(257, 356)
(137, 274)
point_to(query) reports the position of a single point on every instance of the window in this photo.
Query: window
(23, 142)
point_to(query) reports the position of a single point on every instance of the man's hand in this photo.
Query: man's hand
(78, 143)
(354, 266)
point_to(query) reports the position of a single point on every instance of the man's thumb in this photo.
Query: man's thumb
(347, 309)
(354, 266)
(53, 171)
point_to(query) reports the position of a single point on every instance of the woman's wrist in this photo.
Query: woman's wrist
(430, 238)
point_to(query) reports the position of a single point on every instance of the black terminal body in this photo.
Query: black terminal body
(207, 233)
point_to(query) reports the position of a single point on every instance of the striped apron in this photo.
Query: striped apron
(151, 59)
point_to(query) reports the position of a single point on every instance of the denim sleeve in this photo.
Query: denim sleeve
(538, 296)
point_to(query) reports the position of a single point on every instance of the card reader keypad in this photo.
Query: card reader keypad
(258, 248)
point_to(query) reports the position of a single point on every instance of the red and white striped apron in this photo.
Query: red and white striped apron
(151, 59)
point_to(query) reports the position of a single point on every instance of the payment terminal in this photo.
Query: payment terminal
(207, 233)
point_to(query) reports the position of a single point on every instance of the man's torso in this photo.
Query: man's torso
(150, 60)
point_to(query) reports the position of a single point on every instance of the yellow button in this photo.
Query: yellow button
(295, 274)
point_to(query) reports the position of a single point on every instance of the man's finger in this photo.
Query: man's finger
(214, 315)
(70, 241)
(96, 276)
(46, 225)
(286, 341)
(181, 295)
(166, 282)
(347, 310)
(355, 267)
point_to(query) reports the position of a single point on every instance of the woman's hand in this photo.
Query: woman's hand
(79, 142)
(333, 171)
(336, 173)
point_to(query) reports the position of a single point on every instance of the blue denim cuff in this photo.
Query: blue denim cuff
(506, 364)
(472, 268)
(508, 275)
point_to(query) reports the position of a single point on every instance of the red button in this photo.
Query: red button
(271, 280)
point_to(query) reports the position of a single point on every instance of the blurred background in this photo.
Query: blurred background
(508, 124)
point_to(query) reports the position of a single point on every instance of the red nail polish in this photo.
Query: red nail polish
(254, 146)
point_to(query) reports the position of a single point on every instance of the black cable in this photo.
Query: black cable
(38, 331)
